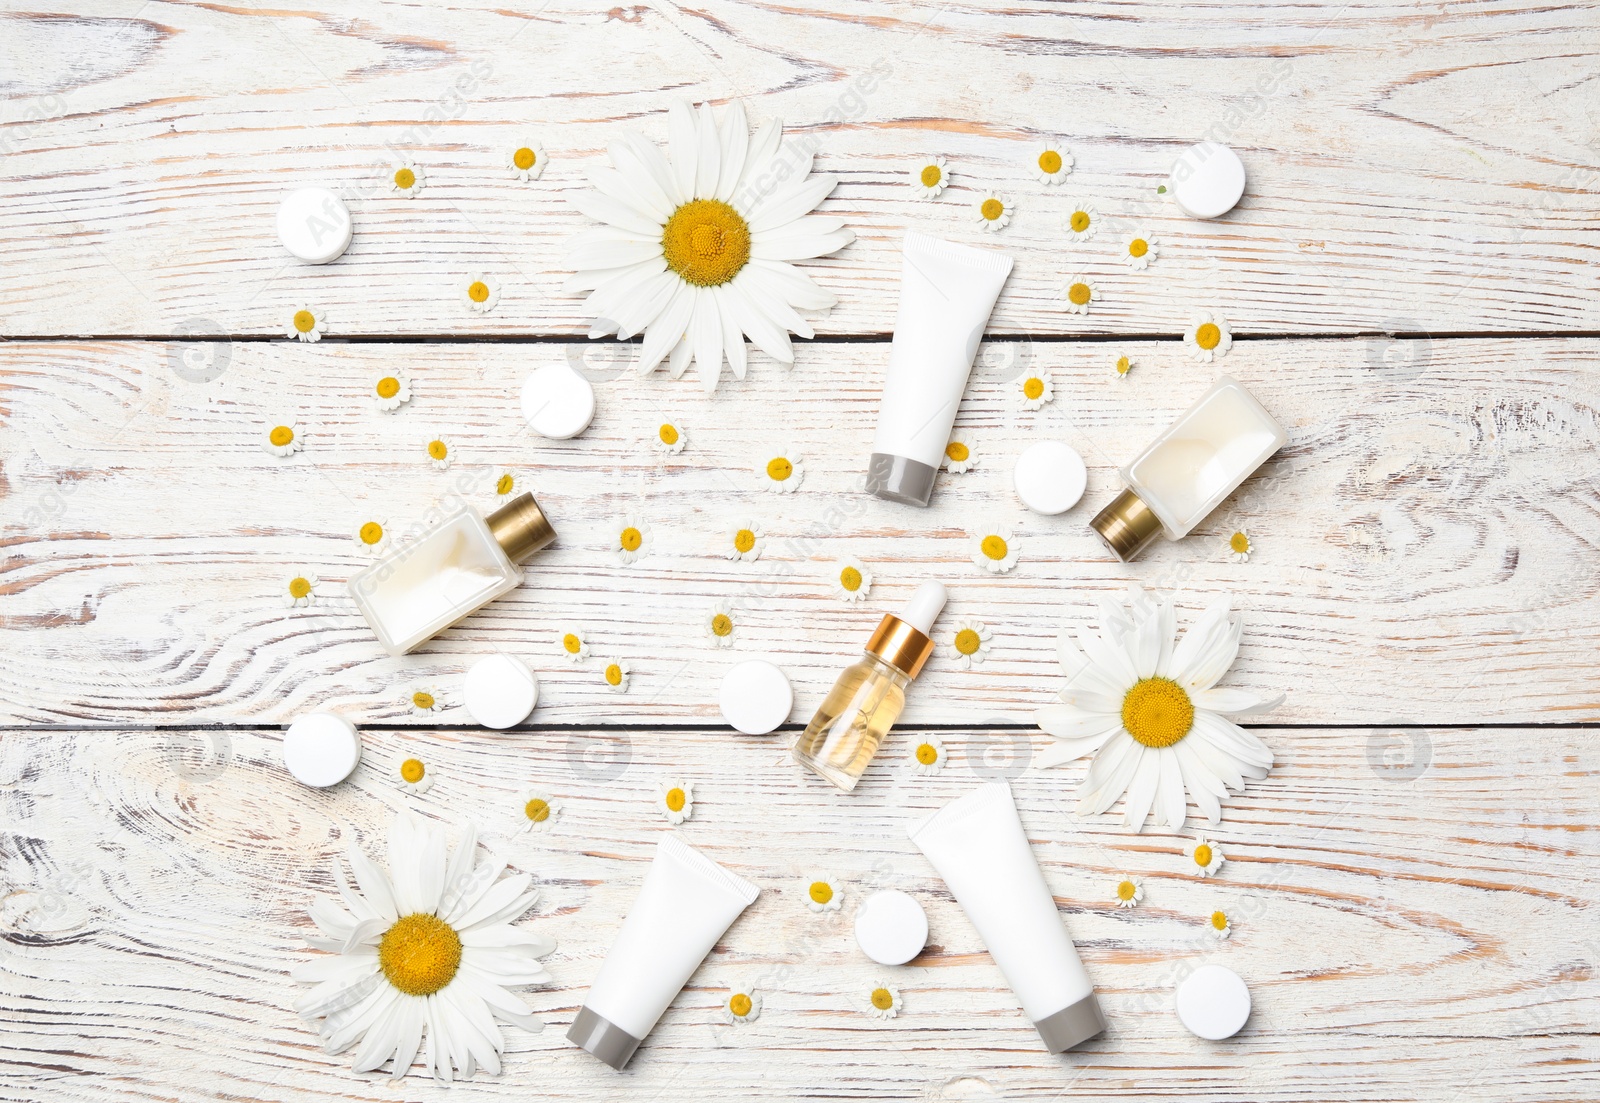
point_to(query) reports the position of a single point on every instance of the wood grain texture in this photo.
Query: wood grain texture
(1421, 933)
(146, 153)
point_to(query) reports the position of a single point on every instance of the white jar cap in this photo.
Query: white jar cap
(500, 691)
(1208, 180)
(321, 749)
(756, 697)
(891, 927)
(314, 225)
(1050, 477)
(558, 401)
(1213, 1002)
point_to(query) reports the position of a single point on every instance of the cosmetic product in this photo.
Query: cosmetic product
(314, 225)
(686, 904)
(1207, 180)
(756, 697)
(1213, 1002)
(451, 570)
(1186, 472)
(978, 846)
(1050, 477)
(946, 294)
(500, 691)
(321, 749)
(557, 401)
(869, 696)
(891, 927)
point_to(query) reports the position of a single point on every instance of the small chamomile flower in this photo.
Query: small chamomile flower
(824, 894)
(506, 486)
(573, 645)
(282, 438)
(676, 800)
(526, 162)
(743, 1004)
(995, 548)
(670, 438)
(1083, 222)
(1219, 927)
(1123, 365)
(719, 624)
(615, 676)
(1129, 892)
(883, 1001)
(424, 701)
(930, 178)
(306, 324)
(994, 212)
(301, 589)
(1140, 249)
(1208, 337)
(1206, 857)
(927, 757)
(406, 180)
(1035, 390)
(1052, 163)
(441, 452)
(1239, 546)
(633, 539)
(851, 579)
(1079, 294)
(745, 541)
(372, 536)
(969, 646)
(414, 777)
(391, 390)
(538, 812)
(958, 455)
(480, 294)
(783, 472)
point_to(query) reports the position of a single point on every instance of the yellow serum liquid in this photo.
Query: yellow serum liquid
(857, 713)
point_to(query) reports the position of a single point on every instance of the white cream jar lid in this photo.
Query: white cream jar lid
(1213, 1002)
(500, 691)
(314, 225)
(891, 927)
(557, 401)
(1050, 477)
(756, 697)
(1208, 180)
(321, 749)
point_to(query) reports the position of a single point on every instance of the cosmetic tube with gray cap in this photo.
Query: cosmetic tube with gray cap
(686, 904)
(978, 846)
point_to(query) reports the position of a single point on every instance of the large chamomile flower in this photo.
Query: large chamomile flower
(1146, 706)
(696, 252)
(426, 950)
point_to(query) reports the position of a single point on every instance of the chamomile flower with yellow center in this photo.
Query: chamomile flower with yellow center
(1083, 222)
(440, 451)
(697, 252)
(372, 536)
(745, 540)
(507, 486)
(743, 1004)
(1052, 163)
(675, 798)
(391, 390)
(1079, 295)
(670, 438)
(424, 701)
(994, 212)
(1208, 337)
(1128, 893)
(480, 294)
(1205, 858)
(883, 1001)
(927, 757)
(1239, 546)
(537, 812)
(615, 675)
(1145, 703)
(995, 548)
(633, 539)
(574, 647)
(719, 624)
(958, 455)
(406, 180)
(427, 950)
(413, 776)
(306, 324)
(1218, 926)
(969, 646)
(282, 438)
(930, 178)
(1123, 365)
(301, 589)
(851, 579)
(1140, 249)
(1035, 390)
(824, 894)
(782, 473)
(526, 162)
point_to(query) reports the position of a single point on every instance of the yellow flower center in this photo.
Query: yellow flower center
(388, 387)
(957, 451)
(420, 954)
(1202, 855)
(371, 533)
(571, 643)
(1050, 161)
(779, 468)
(631, 539)
(1124, 365)
(821, 892)
(669, 433)
(1033, 387)
(721, 624)
(882, 999)
(1219, 920)
(404, 178)
(927, 754)
(992, 209)
(304, 321)
(1079, 221)
(438, 449)
(412, 770)
(740, 1004)
(1126, 890)
(1138, 247)
(1239, 542)
(505, 484)
(1157, 712)
(706, 242)
(478, 291)
(537, 810)
(1079, 294)
(994, 546)
(850, 579)
(524, 158)
(743, 541)
(968, 641)
(614, 674)
(676, 799)
(931, 175)
(422, 699)
(280, 435)
(1208, 336)
(299, 587)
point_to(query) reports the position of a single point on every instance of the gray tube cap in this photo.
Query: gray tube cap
(605, 1039)
(1074, 1023)
(899, 479)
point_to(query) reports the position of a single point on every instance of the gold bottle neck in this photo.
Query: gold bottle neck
(900, 645)
(1127, 525)
(520, 527)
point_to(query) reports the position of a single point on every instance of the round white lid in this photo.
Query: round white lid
(558, 401)
(1213, 1002)
(500, 691)
(1207, 180)
(756, 697)
(891, 927)
(314, 225)
(1050, 477)
(321, 749)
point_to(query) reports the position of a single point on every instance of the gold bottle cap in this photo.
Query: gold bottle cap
(1127, 525)
(900, 645)
(521, 527)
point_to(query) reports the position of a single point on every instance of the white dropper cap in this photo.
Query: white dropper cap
(921, 611)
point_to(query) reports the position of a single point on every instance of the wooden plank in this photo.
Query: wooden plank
(1406, 933)
(1425, 544)
(145, 157)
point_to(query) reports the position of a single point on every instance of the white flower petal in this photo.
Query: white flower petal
(1109, 774)
(649, 157)
(798, 242)
(1068, 721)
(612, 252)
(732, 335)
(763, 148)
(1141, 794)
(1205, 788)
(1235, 740)
(1202, 638)
(705, 333)
(381, 1040)
(791, 201)
(764, 289)
(374, 885)
(603, 208)
(1070, 750)
(413, 1014)
(661, 335)
(682, 353)
(798, 288)
(681, 131)
(735, 143)
(708, 165)
(633, 186)
(1171, 807)
(766, 334)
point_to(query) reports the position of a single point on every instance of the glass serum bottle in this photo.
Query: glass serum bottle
(869, 696)
(455, 568)
(1186, 472)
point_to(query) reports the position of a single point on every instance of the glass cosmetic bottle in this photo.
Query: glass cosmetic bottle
(450, 571)
(1187, 471)
(869, 696)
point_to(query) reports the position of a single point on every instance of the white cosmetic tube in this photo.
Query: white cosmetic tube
(686, 904)
(978, 846)
(946, 294)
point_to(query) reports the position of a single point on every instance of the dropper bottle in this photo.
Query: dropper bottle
(870, 695)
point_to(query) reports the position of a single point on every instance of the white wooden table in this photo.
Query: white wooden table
(1412, 278)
